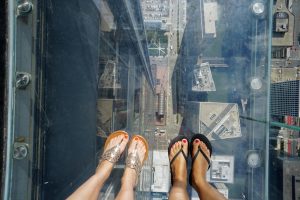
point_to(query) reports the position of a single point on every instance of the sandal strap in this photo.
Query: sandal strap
(177, 154)
(133, 162)
(204, 155)
(112, 155)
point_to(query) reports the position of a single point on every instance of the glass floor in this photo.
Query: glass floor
(79, 70)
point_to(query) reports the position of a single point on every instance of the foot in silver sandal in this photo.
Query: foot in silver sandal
(137, 154)
(114, 146)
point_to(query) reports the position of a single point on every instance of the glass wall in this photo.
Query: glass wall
(89, 75)
(222, 90)
(80, 70)
(97, 77)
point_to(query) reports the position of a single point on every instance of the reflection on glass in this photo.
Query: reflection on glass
(215, 82)
(209, 63)
(160, 68)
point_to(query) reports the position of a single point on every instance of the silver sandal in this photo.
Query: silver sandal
(133, 160)
(113, 154)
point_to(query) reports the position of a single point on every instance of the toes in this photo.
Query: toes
(124, 141)
(172, 151)
(139, 145)
(143, 151)
(202, 145)
(204, 148)
(184, 144)
(178, 145)
(136, 143)
(120, 139)
(132, 146)
(174, 148)
(196, 144)
(111, 143)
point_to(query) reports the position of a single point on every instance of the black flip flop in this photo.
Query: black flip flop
(177, 139)
(205, 140)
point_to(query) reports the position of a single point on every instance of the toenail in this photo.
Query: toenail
(184, 141)
(126, 136)
(136, 139)
(197, 140)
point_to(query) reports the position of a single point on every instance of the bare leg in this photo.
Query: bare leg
(179, 169)
(204, 189)
(129, 177)
(91, 188)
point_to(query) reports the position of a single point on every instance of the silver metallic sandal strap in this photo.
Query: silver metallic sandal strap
(112, 155)
(133, 162)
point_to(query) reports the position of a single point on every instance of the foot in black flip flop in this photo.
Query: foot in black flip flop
(178, 151)
(201, 150)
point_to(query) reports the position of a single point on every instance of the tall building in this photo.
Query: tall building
(285, 98)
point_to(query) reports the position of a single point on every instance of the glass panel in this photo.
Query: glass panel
(284, 105)
(218, 85)
(96, 80)
(284, 158)
(158, 68)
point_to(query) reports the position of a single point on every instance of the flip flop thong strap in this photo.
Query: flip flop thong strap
(133, 162)
(112, 155)
(177, 154)
(204, 155)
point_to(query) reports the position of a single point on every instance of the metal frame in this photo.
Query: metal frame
(20, 100)
(3, 45)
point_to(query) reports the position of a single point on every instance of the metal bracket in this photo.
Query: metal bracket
(20, 150)
(22, 80)
(24, 7)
